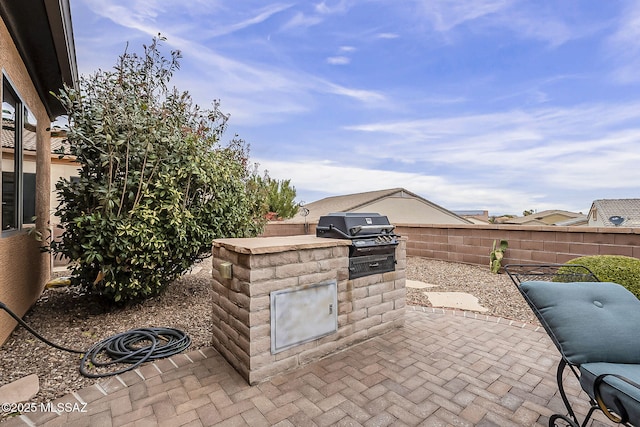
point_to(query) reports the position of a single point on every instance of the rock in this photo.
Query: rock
(20, 390)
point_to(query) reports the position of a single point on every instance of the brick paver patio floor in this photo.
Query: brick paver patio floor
(440, 369)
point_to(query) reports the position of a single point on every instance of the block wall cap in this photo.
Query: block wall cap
(268, 245)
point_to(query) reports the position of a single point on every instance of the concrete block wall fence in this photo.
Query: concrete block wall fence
(472, 244)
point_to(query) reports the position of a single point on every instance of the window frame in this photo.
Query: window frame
(21, 112)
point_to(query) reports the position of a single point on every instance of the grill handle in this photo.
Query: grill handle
(358, 228)
(332, 228)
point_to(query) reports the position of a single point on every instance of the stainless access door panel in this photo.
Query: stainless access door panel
(302, 314)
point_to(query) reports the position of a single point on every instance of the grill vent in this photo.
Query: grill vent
(372, 264)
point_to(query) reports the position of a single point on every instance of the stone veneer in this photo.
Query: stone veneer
(367, 306)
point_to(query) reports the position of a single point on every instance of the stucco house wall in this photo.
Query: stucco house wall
(24, 270)
(66, 168)
(60, 168)
(37, 56)
(405, 210)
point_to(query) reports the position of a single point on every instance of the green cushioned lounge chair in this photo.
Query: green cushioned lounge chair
(596, 327)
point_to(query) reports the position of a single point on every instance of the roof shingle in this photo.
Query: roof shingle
(629, 209)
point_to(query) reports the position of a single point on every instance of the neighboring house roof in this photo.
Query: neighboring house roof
(475, 220)
(524, 220)
(475, 216)
(548, 217)
(58, 141)
(375, 199)
(501, 219)
(7, 138)
(345, 203)
(475, 212)
(583, 220)
(629, 209)
(43, 34)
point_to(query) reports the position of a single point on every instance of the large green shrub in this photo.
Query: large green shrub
(155, 185)
(280, 197)
(619, 269)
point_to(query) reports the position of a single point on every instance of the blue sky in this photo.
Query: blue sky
(500, 105)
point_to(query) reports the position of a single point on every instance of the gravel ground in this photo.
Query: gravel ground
(73, 320)
(495, 292)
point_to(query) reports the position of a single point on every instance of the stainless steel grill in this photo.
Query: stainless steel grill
(373, 242)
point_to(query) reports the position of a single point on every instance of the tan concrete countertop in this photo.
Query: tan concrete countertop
(266, 245)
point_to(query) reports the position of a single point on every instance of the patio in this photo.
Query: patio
(440, 369)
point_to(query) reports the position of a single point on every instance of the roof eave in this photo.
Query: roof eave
(43, 34)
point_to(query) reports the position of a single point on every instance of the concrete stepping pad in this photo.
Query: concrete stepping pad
(20, 390)
(459, 300)
(194, 270)
(416, 284)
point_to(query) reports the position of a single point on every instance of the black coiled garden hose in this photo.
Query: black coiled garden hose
(122, 348)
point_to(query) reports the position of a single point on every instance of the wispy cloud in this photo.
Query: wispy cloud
(587, 146)
(318, 14)
(624, 49)
(338, 60)
(255, 92)
(341, 59)
(138, 14)
(444, 15)
(343, 179)
(260, 16)
(325, 8)
(525, 23)
(522, 19)
(387, 36)
(540, 127)
(366, 96)
(301, 20)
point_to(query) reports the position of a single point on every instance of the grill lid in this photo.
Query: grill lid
(351, 225)
(373, 243)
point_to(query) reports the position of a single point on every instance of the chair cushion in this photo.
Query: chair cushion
(616, 393)
(589, 321)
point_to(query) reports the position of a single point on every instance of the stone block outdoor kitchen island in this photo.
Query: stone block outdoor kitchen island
(273, 302)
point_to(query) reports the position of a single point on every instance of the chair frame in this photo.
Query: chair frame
(520, 273)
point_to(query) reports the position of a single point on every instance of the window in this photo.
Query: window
(18, 160)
